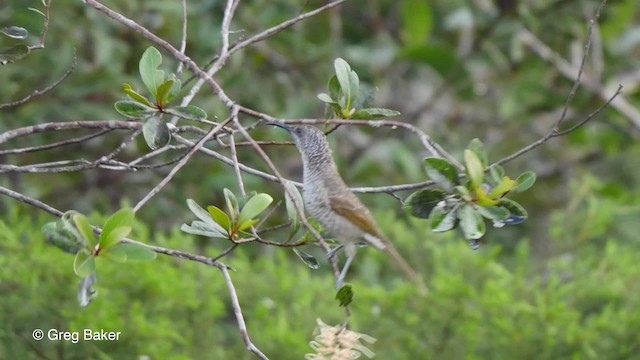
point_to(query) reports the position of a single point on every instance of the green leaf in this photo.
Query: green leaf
(518, 213)
(84, 227)
(420, 203)
(175, 89)
(14, 53)
(114, 237)
(345, 295)
(121, 218)
(524, 181)
(133, 109)
(56, 234)
(220, 217)
(442, 172)
(190, 112)
(492, 212)
(14, 32)
(290, 188)
(308, 259)
(471, 222)
(442, 219)
(132, 253)
(202, 214)
(151, 76)
(254, 207)
(232, 204)
(205, 229)
(84, 264)
(349, 83)
(374, 113)
(326, 98)
(416, 21)
(334, 88)
(114, 253)
(156, 132)
(136, 96)
(474, 168)
(163, 92)
(477, 147)
(37, 11)
(496, 173)
(247, 224)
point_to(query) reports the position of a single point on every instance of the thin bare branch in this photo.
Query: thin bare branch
(76, 140)
(183, 40)
(237, 310)
(179, 166)
(38, 93)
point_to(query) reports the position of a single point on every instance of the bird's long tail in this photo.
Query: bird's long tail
(387, 246)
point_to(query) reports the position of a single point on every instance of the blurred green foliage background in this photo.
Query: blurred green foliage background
(562, 285)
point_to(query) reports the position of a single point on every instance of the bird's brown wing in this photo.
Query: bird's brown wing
(352, 209)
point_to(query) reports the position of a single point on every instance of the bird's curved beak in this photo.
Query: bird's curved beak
(280, 125)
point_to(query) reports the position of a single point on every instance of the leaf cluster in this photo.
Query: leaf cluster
(466, 198)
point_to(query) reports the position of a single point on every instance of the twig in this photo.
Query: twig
(58, 126)
(190, 64)
(179, 166)
(37, 93)
(45, 26)
(183, 40)
(234, 154)
(239, 317)
(72, 141)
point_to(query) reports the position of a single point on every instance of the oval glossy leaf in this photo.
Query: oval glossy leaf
(84, 227)
(204, 229)
(219, 216)
(326, 98)
(14, 53)
(493, 212)
(525, 181)
(84, 264)
(202, 214)
(174, 91)
(14, 32)
(420, 203)
(135, 96)
(442, 172)
(345, 295)
(247, 224)
(374, 113)
(308, 259)
(65, 240)
(477, 147)
(133, 252)
(156, 133)
(114, 237)
(148, 67)
(502, 188)
(190, 112)
(518, 213)
(471, 222)
(443, 219)
(163, 92)
(254, 207)
(345, 79)
(121, 218)
(114, 254)
(133, 109)
(232, 204)
(334, 88)
(496, 173)
(475, 170)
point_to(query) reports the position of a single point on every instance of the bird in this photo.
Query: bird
(328, 199)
